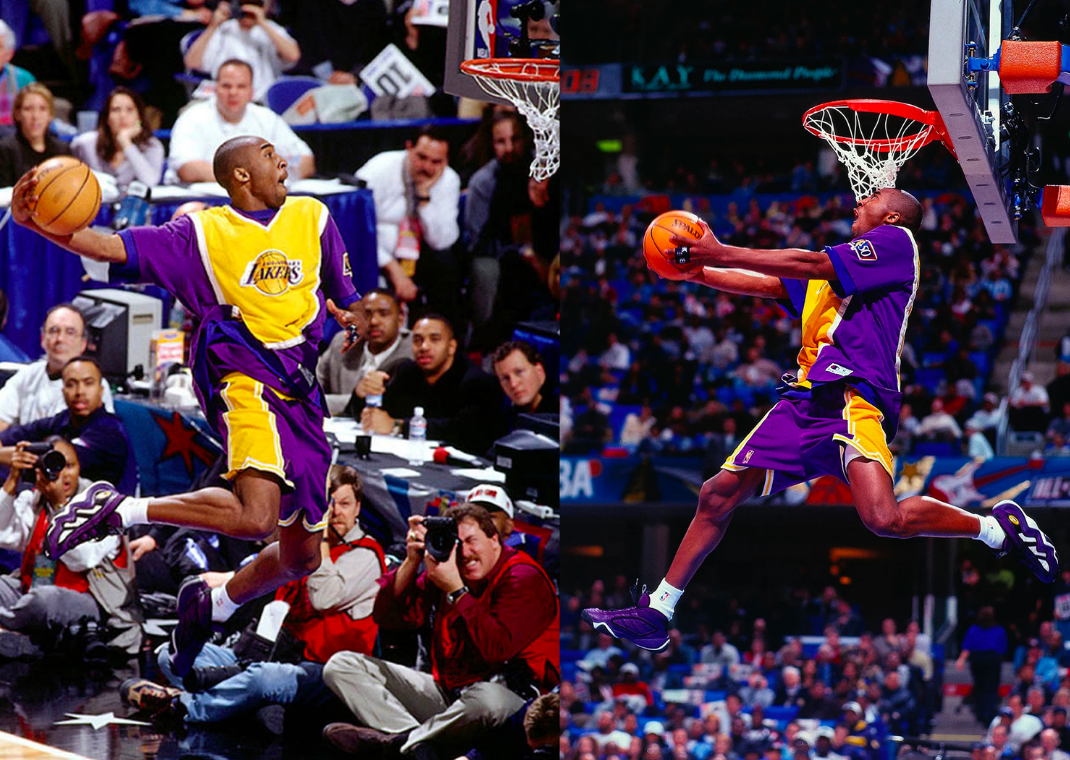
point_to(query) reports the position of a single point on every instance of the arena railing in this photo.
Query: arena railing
(1027, 343)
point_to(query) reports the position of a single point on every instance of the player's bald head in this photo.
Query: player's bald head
(900, 202)
(235, 152)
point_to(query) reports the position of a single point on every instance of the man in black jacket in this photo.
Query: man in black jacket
(461, 402)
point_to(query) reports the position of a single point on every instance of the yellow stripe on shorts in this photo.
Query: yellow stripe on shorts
(865, 433)
(252, 431)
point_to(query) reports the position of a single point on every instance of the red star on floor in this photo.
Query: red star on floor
(182, 441)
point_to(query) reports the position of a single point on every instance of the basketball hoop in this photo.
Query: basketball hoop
(874, 138)
(533, 86)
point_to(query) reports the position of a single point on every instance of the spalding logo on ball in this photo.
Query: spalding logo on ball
(657, 246)
(68, 196)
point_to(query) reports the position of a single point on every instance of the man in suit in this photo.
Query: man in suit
(349, 378)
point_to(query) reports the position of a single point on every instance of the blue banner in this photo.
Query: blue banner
(960, 481)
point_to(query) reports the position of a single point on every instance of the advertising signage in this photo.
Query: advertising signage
(741, 76)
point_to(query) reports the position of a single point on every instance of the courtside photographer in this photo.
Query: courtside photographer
(494, 644)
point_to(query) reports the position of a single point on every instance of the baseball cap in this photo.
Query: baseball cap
(1006, 711)
(653, 727)
(852, 706)
(824, 731)
(629, 667)
(492, 497)
(1027, 376)
(992, 398)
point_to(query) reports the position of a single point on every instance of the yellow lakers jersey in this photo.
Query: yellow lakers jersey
(821, 313)
(269, 273)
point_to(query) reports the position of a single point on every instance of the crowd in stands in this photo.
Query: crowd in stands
(673, 367)
(729, 686)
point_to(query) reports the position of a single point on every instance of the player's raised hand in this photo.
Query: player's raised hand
(23, 200)
(705, 250)
(355, 323)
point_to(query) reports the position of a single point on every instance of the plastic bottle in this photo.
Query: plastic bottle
(418, 433)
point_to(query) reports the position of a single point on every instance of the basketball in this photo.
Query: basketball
(68, 196)
(657, 242)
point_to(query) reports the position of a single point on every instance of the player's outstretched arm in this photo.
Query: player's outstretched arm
(742, 282)
(89, 243)
(793, 263)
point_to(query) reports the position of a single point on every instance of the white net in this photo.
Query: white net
(535, 99)
(873, 146)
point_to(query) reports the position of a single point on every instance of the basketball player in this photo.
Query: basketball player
(837, 416)
(259, 275)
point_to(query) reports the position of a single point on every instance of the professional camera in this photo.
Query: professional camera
(441, 537)
(49, 461)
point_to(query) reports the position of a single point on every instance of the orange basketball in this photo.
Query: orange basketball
(657, 246)
(68, 196)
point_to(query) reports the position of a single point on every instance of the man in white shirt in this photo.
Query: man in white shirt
(416, 199)
(349, 378)
(988, 416)
(977, 446)
(1029, 394)
(939, 425)
(36, 390)
(203, 127)
(253, 38)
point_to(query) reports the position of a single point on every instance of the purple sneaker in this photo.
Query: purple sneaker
(1026, 541)
(88, 516)
(194, 624)
(646, 627)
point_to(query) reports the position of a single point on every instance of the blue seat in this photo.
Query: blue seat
(779, 714)
(285, 92)
(936, 449)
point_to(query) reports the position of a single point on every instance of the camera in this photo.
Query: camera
(441, 536)
(49, 461)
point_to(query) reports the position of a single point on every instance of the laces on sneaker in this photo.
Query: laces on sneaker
(636, 592)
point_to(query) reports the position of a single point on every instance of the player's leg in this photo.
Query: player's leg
(1008, 530)
(293, 556)
(646, 623)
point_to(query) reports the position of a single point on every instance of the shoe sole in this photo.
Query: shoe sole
(69, 514)
(602, 625)
(1029, 536)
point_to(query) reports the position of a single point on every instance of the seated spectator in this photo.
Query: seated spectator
(987, 417)
(12, 78)
(606, 732)
(630, 684)
(997, 285)
(617, 355)
(264, 45)
(204, 126)
(522, 377)
(1029, 402)
(44, 593)
(331, 609)
(30, 143)
(758, 371)
(99, 437)
(123, 145)
(491, 594)
(757, 691)
(977, 445)
(637, 427)
(897, 706)
(1060, 425)
(416, 199)
(789, 692)
(460, 401)
(364, 369)
(719, 651)
(939, 425)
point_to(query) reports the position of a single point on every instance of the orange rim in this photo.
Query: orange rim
(517, 69)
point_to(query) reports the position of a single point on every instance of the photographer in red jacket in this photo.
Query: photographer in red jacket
(494, 644)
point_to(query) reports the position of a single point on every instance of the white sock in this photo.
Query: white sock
(134, 511)
(664, 598)
(991, 534)
(222, 605)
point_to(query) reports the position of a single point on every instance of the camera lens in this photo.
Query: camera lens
(52, 464)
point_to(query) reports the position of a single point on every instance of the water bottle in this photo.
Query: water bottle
(418, 433)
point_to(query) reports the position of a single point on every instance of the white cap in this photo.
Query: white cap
(629, 667)
(418, 411)
(824, 731)
(653, 727)
(853, 706)
(491, 496)
(1027, 377)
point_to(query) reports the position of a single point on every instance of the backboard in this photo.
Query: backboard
(971, 105)
(496, 29)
